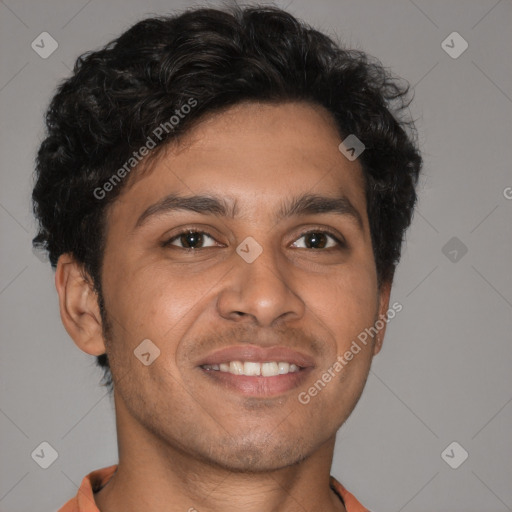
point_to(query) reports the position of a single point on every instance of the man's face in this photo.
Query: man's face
(307, 295)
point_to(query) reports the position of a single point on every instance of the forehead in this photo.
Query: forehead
(254, 153)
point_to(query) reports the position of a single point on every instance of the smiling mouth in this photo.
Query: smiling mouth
(252, 368)
(254, 371)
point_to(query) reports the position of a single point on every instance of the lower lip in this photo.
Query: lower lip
(257, 385)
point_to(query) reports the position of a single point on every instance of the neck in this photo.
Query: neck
(157, 476)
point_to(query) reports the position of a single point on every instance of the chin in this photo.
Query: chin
(247, 456)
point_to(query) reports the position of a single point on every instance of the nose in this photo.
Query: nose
(262, 292)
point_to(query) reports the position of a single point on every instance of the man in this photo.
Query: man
(223, 195)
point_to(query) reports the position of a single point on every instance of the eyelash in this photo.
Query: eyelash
(185, 231)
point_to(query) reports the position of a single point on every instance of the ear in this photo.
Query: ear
(384, 294)
(78, 303)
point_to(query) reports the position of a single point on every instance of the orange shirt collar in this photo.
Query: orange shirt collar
(84, 500)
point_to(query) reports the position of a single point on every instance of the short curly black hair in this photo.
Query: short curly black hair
(119, 95)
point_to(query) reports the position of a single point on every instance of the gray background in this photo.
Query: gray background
(444, 373)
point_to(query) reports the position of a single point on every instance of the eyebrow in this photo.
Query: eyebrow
(305, 204)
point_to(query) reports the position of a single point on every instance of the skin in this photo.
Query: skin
(185, 443)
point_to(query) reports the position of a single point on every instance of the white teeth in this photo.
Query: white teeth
(269, 369)
(236, 368)
(284, 368)
(250, 368)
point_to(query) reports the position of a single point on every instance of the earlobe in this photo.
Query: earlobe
(78, 304)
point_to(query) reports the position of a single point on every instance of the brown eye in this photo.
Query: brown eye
(190, 240)
(318, 239)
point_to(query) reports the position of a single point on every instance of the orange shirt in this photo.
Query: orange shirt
(84, 500)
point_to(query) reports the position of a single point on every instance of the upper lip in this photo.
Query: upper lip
(258, 355)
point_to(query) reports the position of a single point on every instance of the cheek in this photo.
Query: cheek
(156, 301)
(346, 303)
